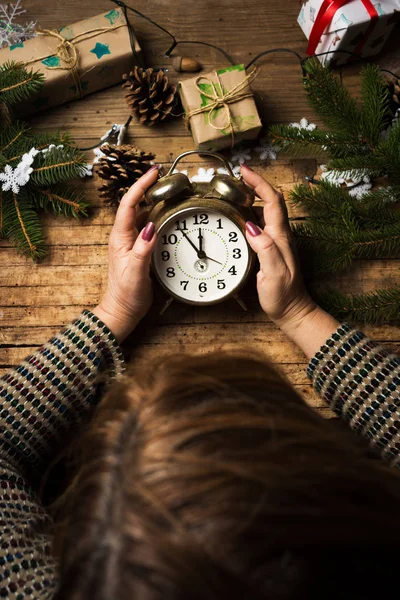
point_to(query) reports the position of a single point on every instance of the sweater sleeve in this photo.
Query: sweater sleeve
(45, 399)
(42, 404)
(360, 381)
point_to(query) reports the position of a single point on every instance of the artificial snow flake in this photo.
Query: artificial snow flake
(235, 170)
(203, 175)
(14, 179)
(11, 33)
(184, 171)
(241, 154)
(304, 124)
(266, 150)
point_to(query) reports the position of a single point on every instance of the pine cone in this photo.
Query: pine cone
(120, 168)
(394, 89)
(151, 98)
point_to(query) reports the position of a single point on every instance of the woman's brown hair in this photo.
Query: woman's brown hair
(208, 477)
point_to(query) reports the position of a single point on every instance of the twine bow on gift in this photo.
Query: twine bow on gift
(220, 99)
(68, 52)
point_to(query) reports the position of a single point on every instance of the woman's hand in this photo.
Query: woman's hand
(279, 282)
(129, 291)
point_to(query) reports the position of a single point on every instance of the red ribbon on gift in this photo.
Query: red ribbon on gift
(324, 19)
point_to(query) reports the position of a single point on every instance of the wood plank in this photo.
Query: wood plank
(36, 300)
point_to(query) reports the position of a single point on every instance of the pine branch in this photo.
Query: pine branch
(380, 306)
(17, 83)
(388, 152)
(11, 136)
(22, 226)
(57, 166)
(301, 142)
(61, 200)
(336, 246)
(376, 105)
(359, 165)
(1, 214)
(328, 201)
(331, 100)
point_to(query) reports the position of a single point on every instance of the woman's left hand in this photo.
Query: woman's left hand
(129, 291)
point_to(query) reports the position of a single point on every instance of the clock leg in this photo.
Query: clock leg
(166, 305)
(240, 302)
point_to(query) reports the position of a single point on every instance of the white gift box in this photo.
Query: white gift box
(351, 28)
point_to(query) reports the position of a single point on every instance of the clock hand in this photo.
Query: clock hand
(199, 253)
(213, 259)
(202, 253)
(200, 241)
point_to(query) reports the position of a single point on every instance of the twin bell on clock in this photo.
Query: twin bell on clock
(202, 256)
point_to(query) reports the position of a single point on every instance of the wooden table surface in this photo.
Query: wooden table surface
(36, 300)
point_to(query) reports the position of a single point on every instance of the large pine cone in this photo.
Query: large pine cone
(151, 98)
(394, 89)
(121, 167)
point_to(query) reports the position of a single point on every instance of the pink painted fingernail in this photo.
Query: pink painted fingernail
(148, 232)
(153, 168)
(253, 229)
(244, 166)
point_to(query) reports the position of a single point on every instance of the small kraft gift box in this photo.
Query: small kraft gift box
(77, 59)
(357, 27)
(220, 109)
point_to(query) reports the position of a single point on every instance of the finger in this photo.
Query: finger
(275, 211)
(259, 212)
(140, 255)
(126, 215)
(269, 255)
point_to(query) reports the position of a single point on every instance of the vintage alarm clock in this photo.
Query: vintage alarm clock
(202, 256)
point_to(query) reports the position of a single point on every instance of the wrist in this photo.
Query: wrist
(310, 328)
(119, 327)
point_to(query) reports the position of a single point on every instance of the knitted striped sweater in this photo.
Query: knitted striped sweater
(46, 398)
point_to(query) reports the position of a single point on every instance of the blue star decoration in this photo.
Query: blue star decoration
(19, 45)
(51, 61)
(41, 102)
(84, 86)
(113, 16)
(100, 50)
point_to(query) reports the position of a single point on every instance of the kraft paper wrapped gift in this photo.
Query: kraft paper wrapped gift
(359, 26)
(78, 59)
(220, 108)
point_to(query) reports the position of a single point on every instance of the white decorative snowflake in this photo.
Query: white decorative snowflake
(304, 124)
(235, 170)
(266, 150)
(184, 171)
(203, 175)
(14, 179)
(11, 33)
(241, 154)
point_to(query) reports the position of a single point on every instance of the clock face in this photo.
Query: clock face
(201, 256)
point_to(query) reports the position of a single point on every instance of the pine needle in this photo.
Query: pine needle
(17, 83)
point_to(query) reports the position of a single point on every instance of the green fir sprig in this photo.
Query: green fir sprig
(359, 139)
(57, 162)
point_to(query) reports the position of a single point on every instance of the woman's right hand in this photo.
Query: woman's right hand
(280, 285)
